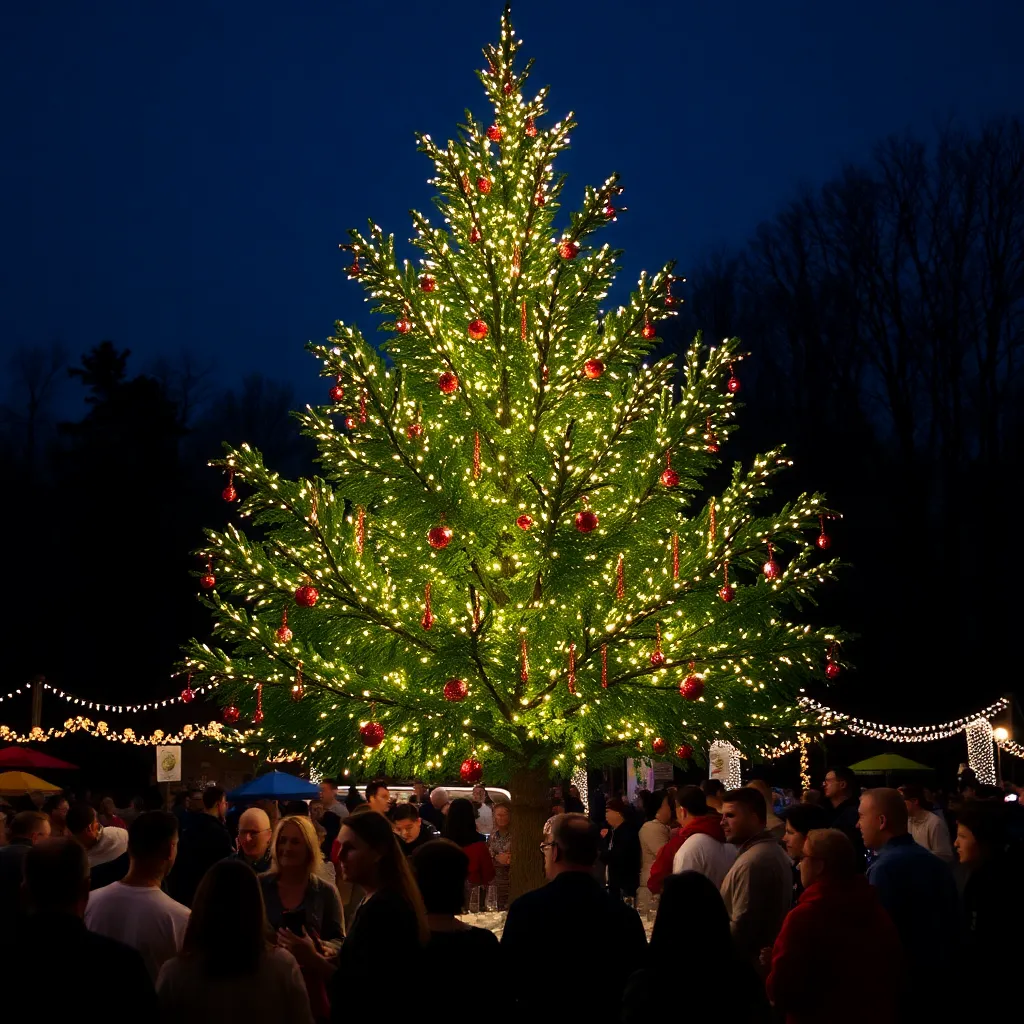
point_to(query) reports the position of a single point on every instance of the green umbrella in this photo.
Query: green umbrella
(886, 764)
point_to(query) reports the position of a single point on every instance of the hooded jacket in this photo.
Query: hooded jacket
(707, 825)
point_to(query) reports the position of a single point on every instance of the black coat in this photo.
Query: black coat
(622, 855)
(204, 842)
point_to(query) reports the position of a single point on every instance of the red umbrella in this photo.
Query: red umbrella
(22, 757)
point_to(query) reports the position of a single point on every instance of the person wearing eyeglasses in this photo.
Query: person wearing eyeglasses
(254, 834)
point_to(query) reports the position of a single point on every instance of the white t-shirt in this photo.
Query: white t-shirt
(707, 855)
(140, 916)
(485, 819)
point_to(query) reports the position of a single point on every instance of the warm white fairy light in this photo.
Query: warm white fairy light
(980, 755)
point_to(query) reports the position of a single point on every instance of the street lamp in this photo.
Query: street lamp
(1000, 735)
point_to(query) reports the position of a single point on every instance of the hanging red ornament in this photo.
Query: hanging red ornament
(464, 182)
(474, 235)
(350, 423)
(524, 661)
(362, 407)
(675, 556)
(593, 368)
(531, 128)
(524, 522)
(476, 454)
(669, 477)
(732, 385)
(188, 694)
(657, 655)
(298, 687)
(539, 198)
(692, 687)
(284, 634)
(824, 541)
(372, 734)
(455, 690)
(428, 283)
(439, 536)
(471, 771)
(609, 211)
(494, 133)
(712, 523)
(477, 330)
(229, 493)
(670, 299)
(427, 621)
(522, 321)
(586, 519)
(771, 567)
(832, 669)
(258, 714)
(307, 595)
(483, 185)
(337, 392)
(710, 438)
(572, 669)
(231, 714)
(507, 88)
(355, 270)
(568, 248)
(414, 430)
(604, 666)
(448, 383)
(620, 578)
(726, 593)
(403, 326)
(360, 530)
(208, 581)
(659, 746)
(517, 259)
(684, 751)
(648, 331)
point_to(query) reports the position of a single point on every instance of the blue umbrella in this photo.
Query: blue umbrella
(275, 786)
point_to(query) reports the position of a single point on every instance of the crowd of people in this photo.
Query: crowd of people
(760, 904)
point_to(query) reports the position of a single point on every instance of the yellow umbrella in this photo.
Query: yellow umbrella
(20, 783)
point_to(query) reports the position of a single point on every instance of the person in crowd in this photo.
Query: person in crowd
(436, 808)
(917, 890)
(573, 801)
(837, 919)
(655, 832)
(621, 854)
(441, 870)
(106, 848)
(571, 912)
(136, 806)
(799, 820)
(203, 842)
(842, 796)
(135, 910)
(927, 828)
(420, 794)
(26, 829)
(692, 930)
(773, 823)
(56, 807)
(499, 846)
(713, 793)
(699, 844)
(109, 818)
(390, 924)
(484, 810)
(53, 946)
(326, 871)
(992, 901)
(460, 828)
(811, 796)
(316, 811)
(758, 890)
(353, 799)
(272, 809)
(411, 829)
(378, 797)
(254, 834)
(227, 970)
(329, 798)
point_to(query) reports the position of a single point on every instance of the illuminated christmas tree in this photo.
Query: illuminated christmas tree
(509, 568)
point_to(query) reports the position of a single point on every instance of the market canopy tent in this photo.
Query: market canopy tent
(20, 783)
(276, 786)
(22, 757)
(881, 764)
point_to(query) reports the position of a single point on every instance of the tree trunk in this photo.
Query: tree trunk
(530, 809)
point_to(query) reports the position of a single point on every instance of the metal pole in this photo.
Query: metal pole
(37, 701)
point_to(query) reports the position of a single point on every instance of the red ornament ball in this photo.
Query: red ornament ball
(658, 745)
(231, 714)
(350, 423)
(477, 330)
(732, 385)
(298, 692)
(770, 569)
(455, 690)
(428, 283)
(307, 595)
(609, 211)
(524, 522)
(593, 368)
(531, 128)
(208, 581)
(229, 493)
(507, 87)
(586, 520)
(483, 185)
(684, 751)
(832, 669)
(824, 541)
(403, 326)
(257, 717)
(540, 199)
(568, 249)
(413, 431)
(649, 330)
(494, 133)
(471, 770)
(372, 734)
(691, 688)
(187, 695)
(727, 593)
(439, 536)
(284, 634)
(448, 383)
(337, 393)
(669, 477)
(657, 658)
(474, 235)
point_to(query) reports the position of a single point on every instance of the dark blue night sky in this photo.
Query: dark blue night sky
(178, 176)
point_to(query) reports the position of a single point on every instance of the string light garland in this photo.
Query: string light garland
(980, 755)
(118, 709)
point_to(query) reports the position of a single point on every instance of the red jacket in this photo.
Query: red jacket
(708, 825)
(481, 867)
(833, 926)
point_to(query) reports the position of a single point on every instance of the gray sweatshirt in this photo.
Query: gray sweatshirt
(758, 892)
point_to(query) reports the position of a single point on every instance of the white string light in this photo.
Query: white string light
(979, 751)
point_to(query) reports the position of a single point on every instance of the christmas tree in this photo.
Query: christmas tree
(509, 567)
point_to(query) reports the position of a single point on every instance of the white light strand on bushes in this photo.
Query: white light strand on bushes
(979, 751)
(579, 780)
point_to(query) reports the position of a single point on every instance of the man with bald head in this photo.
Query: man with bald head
(254, 834)
(915, 887)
